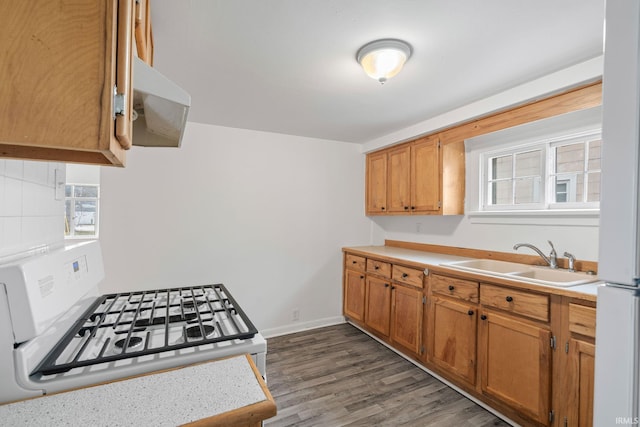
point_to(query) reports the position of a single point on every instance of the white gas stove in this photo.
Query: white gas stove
(57, 333)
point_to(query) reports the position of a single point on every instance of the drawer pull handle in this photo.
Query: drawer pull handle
(405, 275)
(470, 312)
(483, 317)
(509, 299)
(451, 287)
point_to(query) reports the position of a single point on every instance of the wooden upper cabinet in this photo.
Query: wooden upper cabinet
(398, 180)
(425, 175)
(63, 60)
(376, 192)
(144, 36)
(415, 178)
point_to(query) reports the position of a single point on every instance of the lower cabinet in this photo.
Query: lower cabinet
(515, 363)
(580, 406)
(354, 294)
(406, 317)
(378, 308)
(453, 328)
(526, 352)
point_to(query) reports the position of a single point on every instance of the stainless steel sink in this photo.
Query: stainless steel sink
(524, 272)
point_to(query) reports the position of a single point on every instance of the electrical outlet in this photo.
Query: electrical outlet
(295, 314)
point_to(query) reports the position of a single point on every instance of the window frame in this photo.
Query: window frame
(73, 199)
(548, 173)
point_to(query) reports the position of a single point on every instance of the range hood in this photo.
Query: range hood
(161, 107)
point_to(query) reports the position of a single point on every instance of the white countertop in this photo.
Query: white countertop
(427, 258)
(437, 259)
(168, 398)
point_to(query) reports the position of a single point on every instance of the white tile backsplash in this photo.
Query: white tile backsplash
(30, 215)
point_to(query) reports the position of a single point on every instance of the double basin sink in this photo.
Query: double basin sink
(524, 272)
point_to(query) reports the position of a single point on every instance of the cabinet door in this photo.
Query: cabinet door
(425, 175)
(376, 183)
(515, 359)
(406, 317)
(582, 360)
(144, 38)
(354, 295)
(453, 327)
(378, 311)
(63, 60)
(398, 188)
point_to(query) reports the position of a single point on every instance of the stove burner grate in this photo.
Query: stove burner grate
(213, 302)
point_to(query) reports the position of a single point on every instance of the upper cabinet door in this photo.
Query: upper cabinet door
(399, 177)
(376, 183)
(144, 37)
(62, 59)
(425, 175)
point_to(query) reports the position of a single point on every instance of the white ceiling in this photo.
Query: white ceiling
(288, 66)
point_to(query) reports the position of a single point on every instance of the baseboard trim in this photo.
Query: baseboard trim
(292, 328)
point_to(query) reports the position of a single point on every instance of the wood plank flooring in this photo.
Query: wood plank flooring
(339, 376)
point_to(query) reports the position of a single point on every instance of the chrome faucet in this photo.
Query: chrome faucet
(552, 259)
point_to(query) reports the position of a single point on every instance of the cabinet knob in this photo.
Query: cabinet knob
(406, 208)
(355, 262)
(451, 287)
(376, 267)
(509, 299)
(386, 285)
(382, 208)
(393, 287)
(404, 275)
(470, 312)
(413, 208)
(483, 317)
(362, 277)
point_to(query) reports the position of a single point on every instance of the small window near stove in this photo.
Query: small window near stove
(82, 202)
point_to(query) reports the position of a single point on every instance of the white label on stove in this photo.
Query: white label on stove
(46, 286)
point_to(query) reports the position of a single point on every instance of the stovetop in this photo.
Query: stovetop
(127, 325)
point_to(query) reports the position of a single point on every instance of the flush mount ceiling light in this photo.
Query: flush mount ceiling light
(383, 59)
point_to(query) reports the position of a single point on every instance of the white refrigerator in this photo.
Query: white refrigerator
(617, 376)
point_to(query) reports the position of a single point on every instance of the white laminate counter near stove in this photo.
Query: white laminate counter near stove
(222, 392)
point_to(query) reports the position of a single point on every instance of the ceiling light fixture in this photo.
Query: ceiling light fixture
(383, 59)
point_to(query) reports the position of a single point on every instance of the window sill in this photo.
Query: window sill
(565, 217)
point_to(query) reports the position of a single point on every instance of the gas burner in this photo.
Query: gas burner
(195, 332)
(189, 303)
(133, 342)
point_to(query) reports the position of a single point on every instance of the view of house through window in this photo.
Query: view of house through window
(563, 173)
(82, 202)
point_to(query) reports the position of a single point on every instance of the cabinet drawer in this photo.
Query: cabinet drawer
(524, 303)
(355, 262)
(407, 275)
(378, 267)
(582, 320)
(458, 288)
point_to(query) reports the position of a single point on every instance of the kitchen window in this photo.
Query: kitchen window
(82, 202)
(558, 173)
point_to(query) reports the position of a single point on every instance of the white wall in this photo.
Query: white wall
(265, 214)
(464, 231)
(30, 216)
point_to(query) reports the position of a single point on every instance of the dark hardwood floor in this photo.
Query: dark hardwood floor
(339, 376)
